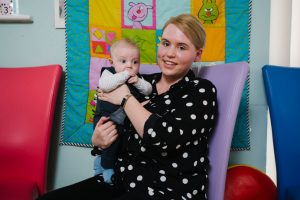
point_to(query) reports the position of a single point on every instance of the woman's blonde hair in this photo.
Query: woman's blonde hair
(191, 27)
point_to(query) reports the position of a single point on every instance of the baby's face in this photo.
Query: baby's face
(126, 58)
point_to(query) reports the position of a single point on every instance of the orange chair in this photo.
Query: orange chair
(27, 103)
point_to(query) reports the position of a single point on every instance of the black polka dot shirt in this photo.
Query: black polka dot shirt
(171, 160)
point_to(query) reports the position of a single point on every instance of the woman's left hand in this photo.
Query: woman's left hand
(116, 96)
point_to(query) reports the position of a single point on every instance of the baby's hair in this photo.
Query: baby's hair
(124, 41)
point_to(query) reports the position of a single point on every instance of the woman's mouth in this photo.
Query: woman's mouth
(168, 62)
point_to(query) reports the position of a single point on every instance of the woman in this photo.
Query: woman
(165, 152)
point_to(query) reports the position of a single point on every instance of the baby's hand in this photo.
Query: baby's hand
(133, 79)
(130, 72)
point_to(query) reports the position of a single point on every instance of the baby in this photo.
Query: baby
(125, 61)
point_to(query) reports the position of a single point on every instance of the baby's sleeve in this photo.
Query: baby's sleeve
(109, 81)
(143, 86)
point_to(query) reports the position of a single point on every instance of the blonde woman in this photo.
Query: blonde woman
(166, 154)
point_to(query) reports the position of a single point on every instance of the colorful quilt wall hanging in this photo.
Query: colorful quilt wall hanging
(92, 26)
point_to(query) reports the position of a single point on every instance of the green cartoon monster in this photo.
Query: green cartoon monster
(208, 12)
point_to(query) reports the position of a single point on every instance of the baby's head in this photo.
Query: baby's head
(125, 55)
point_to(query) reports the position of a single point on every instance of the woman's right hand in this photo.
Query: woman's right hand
(105, 133)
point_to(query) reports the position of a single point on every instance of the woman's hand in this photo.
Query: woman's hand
(116, 96)
(105, 133)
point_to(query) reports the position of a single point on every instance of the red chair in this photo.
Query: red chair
(27, 104)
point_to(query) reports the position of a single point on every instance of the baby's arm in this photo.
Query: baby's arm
(109, 81)
(143, 86)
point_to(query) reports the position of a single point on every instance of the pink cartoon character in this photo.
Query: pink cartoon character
(138, 13)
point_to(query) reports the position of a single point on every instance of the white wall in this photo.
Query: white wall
(284, 51)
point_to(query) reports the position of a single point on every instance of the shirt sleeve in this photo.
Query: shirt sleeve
(143, 86)
(109, 81)
(191, 115)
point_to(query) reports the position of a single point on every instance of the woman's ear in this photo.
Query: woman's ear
(110, 61)
(198, 55)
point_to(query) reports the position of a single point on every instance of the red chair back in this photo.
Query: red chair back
(27, 104)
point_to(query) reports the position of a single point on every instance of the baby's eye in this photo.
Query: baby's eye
(136, 62)
(123, 61)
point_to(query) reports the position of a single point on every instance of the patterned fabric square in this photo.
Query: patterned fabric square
(107, 13)
(139, 15)
(165, 10)
(96, 65)
(214, 49)
(91, 107)
(145, 39)
(101, 39)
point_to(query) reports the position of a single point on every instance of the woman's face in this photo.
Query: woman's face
(176, 53)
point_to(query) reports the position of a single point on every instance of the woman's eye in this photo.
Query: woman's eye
(181, 47)
(165, 43)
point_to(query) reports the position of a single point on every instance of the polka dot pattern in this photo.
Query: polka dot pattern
(174, 142)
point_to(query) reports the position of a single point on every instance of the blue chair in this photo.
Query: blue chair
(282, 85)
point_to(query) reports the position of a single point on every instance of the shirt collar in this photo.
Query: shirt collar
(189, 76)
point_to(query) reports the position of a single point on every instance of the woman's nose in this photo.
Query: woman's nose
(171, 52)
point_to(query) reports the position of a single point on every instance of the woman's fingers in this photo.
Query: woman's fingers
(112, 133)
(105, 133)
(113, 138)
(102, 121)
(109, 138)
(115, 96)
